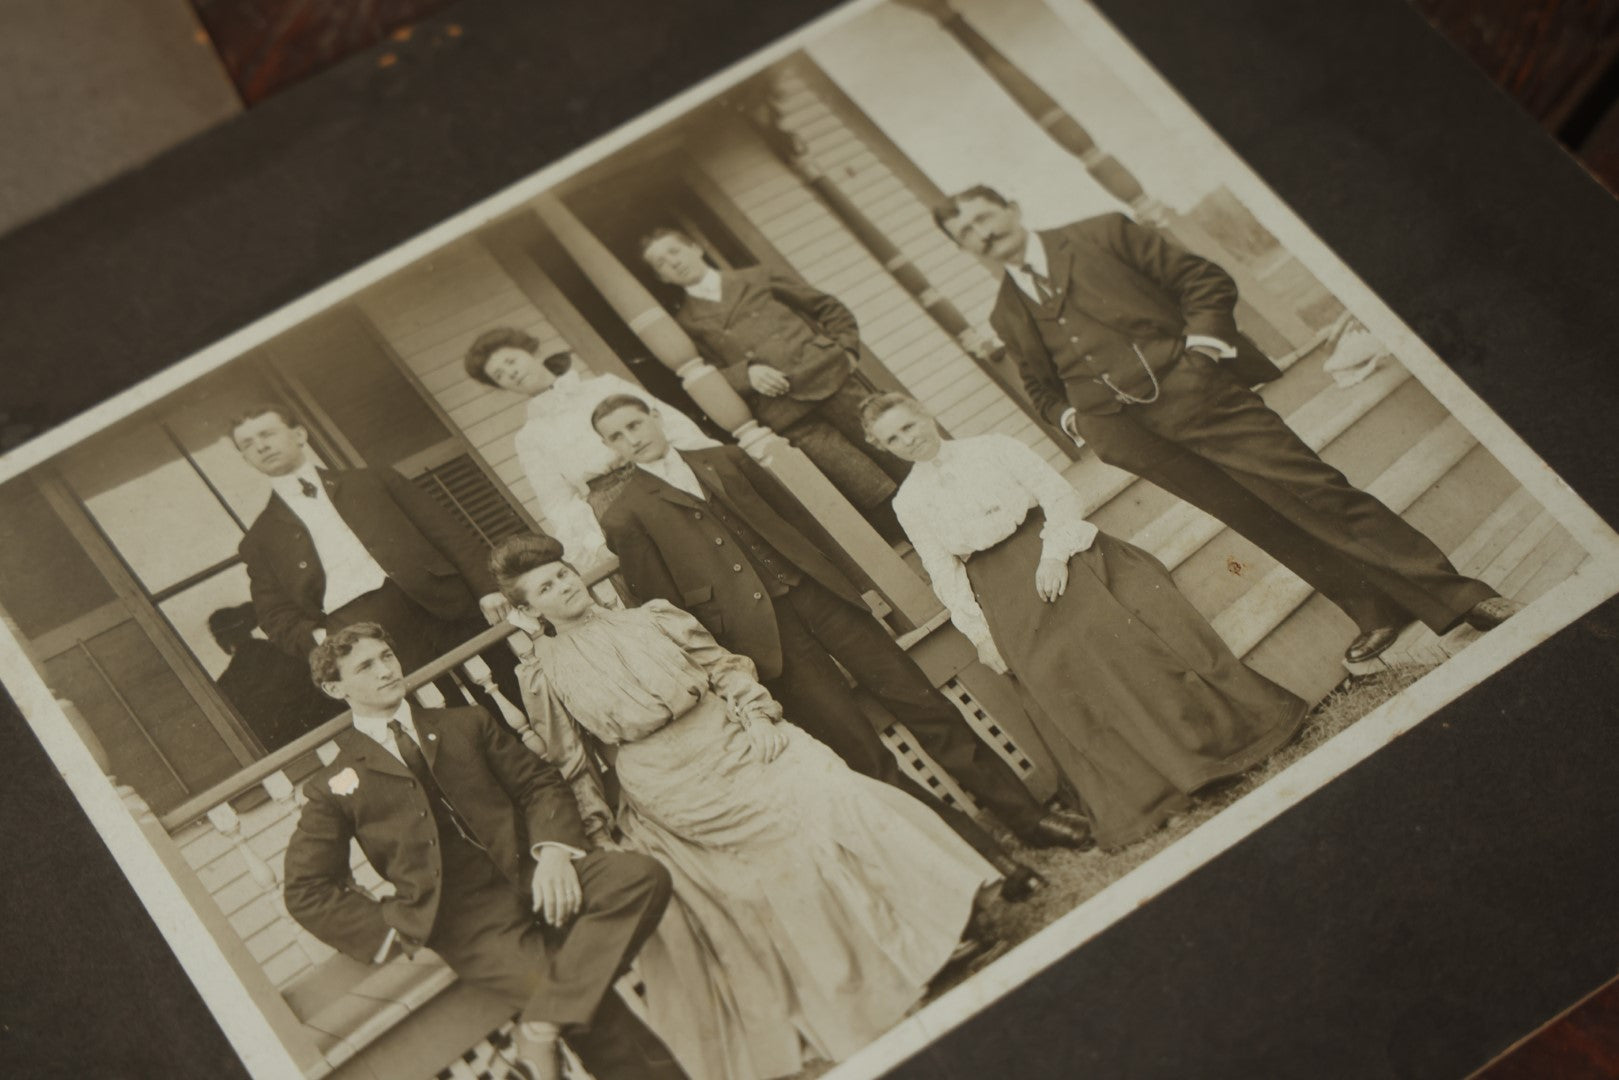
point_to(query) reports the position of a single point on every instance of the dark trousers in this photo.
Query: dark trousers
(816, 627)
(490, 936)
(1214, 443)
(421, 637)
(832, 437)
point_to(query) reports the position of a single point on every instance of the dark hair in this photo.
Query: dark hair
(558, 362)
(232, 627)
(325, 658)
(258, 409)
(661, 232)
(614, 403)
(951, 206)
(877, 406)
(492, 341)
(516, 555)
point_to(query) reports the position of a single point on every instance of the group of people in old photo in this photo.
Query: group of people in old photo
(672, 770)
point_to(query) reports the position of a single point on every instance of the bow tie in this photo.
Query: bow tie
(308, 488)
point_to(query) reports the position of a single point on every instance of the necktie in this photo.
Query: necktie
(416, 762)
(308, 488)
(1042, 286)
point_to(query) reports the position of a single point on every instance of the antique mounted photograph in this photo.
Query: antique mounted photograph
(739, 601)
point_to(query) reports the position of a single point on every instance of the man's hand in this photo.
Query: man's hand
(765, 739)
(990, 657)
(495, 607)
(557, 895)
(768, 381)
(1050, 579)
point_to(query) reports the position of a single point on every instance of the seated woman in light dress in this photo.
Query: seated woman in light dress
(812, 904)
(1139, 700)
(573, 474)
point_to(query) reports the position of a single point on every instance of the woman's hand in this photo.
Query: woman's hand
(766, 740)
(990, 657)
(1050, 579)
(525, 622)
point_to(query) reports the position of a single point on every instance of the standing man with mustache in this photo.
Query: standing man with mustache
(1129, 342)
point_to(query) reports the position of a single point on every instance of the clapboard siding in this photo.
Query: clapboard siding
(430, 313)
(897, 330)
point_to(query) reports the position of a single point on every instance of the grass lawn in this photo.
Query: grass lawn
(1073, 877)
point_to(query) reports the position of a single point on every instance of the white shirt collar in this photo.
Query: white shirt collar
(706, 287)
(675, 470)
(1034, 259)
(377, 726)
(290, 486)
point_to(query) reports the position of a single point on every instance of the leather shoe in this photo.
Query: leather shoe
(1017, 880)
(1060, 829)
(1488, 614)
(1371, 644)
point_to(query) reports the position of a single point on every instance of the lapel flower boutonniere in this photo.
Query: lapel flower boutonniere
(344, 783)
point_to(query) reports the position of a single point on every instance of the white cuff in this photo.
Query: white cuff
(573, 853)
(1221, 349)
(1063, 422)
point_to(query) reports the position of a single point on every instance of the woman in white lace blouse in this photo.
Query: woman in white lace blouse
(1137, 698)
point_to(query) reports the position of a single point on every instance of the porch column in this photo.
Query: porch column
(761, 104)
(1044, 110)
(1270, 320)
(665, 339)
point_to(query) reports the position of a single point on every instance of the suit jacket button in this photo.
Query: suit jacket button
(737, 567)
(758, 596)
(432, 841)
(303, 566)
(697, 515)
(421, 813)
(1073, 341)
(719, 541)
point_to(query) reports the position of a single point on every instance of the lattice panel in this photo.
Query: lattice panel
(927, 772)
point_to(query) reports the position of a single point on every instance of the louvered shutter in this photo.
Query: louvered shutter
(464, 489)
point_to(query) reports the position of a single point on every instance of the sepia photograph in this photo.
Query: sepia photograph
(740, 601)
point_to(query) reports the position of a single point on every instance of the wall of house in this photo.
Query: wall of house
(429, 313)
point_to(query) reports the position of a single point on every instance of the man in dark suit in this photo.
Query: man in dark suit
(483, 845)
(715, 533)
(336, 547)
(1129, 342)
(791, 351)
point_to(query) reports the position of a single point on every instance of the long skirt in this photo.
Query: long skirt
(1137, 698)
(811, 907)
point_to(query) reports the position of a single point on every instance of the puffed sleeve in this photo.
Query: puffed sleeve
(732, 676)
(947, 572)
(568, 517)
(554, 735)
(1066, 532)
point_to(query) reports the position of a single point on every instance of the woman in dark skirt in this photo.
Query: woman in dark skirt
(1137, 698)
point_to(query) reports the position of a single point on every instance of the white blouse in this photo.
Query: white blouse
(971, 497)
(561, 453)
